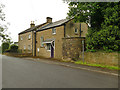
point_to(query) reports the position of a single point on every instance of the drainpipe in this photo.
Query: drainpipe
(80, 29)
(32, 43)
(35, 43)
(64, 30)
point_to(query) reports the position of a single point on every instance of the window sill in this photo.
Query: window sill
(53, 33)
(49, 50)
(76, 33)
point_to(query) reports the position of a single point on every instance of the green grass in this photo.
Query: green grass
(99, 65)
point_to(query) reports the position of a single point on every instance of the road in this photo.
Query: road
(22, 73)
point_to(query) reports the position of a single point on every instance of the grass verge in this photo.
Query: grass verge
(98, 65)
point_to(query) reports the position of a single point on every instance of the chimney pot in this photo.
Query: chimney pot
(32, 24)
(49, 20)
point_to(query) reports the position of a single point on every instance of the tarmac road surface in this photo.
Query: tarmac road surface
(22, 73)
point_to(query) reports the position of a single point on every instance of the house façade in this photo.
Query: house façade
(47, 39)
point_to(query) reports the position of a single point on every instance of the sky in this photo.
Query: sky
(20, 13)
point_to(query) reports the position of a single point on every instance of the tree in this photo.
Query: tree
(103, 21)
(3, 28)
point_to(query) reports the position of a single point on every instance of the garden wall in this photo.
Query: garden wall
(101, 58)
(72, 50)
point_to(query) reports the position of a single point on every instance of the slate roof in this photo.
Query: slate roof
(31, 29)
(50, 25)
(54, 24)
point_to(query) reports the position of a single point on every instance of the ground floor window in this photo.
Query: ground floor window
(29, 48)
(24, 47)
(38, 49)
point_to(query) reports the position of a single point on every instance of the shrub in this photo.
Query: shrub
(7, 50)
(90, 50)
(13, 48)
(5, 46)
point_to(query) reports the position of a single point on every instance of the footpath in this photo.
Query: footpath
(76, 66)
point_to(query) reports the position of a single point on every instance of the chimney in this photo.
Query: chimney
(49, 20)
(32, 24)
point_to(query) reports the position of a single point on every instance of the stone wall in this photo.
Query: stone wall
(72, 47)
(73, 50)
(104, 58)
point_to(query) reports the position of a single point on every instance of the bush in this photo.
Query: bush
(13, 48)
(7, 50)
(107, 39)
(5, 46)
(90, 50)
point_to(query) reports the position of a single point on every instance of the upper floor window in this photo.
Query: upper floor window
(29, 36)
(76, 30)
(21, 38)
(41, 41)
(53, 30)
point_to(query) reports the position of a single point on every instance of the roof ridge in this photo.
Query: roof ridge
(31, 28)
(54, 24)
(49, 25)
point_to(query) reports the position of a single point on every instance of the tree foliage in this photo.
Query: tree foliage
(3, 28)
(12, 49)
(103, 21)
(5, 46)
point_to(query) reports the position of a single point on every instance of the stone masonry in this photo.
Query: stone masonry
(72, 47)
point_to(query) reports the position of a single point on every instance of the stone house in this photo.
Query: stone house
(48, 39)
(26, 38)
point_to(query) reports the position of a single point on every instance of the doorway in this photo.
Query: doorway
(52, 49)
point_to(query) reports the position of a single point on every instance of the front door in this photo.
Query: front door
(52, 49)
(52, 52)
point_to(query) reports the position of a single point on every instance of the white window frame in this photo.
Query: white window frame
(29, 36)
(29, 47)
(21, 38)
(38, 50)
(53, 30)
(24, 47)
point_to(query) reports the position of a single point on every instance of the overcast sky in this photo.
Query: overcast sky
(20, 13)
